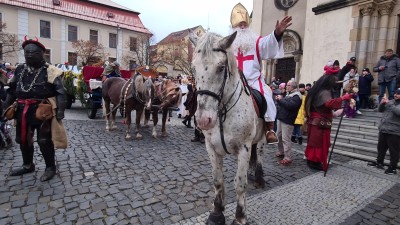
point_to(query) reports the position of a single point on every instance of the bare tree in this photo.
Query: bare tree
(139, 49)
(9, 41)
(88, 51)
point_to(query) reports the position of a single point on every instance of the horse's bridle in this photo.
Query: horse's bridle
(222, 107)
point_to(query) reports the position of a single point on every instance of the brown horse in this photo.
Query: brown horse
(167, 95)
(134, 94)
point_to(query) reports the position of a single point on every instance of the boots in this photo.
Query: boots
(270, 133)
(184, 121)
(27, 157)
(300, 140)
(293, 139)
(189, 124)
(48, 174)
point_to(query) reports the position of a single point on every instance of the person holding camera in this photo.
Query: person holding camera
(388, 68)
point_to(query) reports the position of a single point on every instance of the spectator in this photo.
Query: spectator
(287, 113)
(308, 87)
(388, 67)
(350, 85)
(318, 107)
(188, 118)
(297, 135)
(183, 86)
(364, 87)
(389, 133)
(346, 68)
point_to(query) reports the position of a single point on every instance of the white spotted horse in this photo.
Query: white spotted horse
(132, 94)
(167, 96)
(226, 115)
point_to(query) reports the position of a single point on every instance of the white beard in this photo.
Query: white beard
(245, 40)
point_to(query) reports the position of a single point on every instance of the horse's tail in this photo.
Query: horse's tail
(253, 156)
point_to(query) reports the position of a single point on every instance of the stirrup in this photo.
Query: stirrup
(271, 137)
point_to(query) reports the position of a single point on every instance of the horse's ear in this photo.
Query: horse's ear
(227, 41)
(193, 38)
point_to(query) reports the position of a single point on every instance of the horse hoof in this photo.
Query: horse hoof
(139, 137)
(216, 219)
(154, 136)
(146, 126)
(259, 184)
(164, 135)
(128, 137)
(235, 222)
(114, 127)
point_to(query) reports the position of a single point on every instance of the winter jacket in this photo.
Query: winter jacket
(289, 107)
(392, 69)
(364, 84)
(390, 122)
(345, 69)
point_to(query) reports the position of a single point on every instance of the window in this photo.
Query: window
(113, 40)
(132, 44)
(72, 58)
(72, 33)
(45, 29)
(1, 51)
(47, 55)
(94, 36)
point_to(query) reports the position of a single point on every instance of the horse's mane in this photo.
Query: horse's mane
(139, 83)
(206, 45)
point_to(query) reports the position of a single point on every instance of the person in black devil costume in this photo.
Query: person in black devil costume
(33, 82)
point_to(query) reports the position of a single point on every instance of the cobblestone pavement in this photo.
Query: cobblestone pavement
(104, 179)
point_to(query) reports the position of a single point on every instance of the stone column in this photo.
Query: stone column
(384, 9)
(297, 58)
(268, 71)
(365, 11)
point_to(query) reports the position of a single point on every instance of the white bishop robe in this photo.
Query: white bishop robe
(269, 48)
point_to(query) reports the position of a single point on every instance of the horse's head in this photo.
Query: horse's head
(214, 68)
(171, 94)
(149, 93)
(145, 89)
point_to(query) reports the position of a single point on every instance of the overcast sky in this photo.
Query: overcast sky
(163, 17)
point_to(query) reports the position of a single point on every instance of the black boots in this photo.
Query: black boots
(377, 165)
(293, 139)
(187, 121)
(23, 170)
(300, 140)
(48, 173)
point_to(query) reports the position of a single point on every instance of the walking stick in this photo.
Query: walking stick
(334, 141)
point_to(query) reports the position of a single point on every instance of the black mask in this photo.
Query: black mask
(34, 55)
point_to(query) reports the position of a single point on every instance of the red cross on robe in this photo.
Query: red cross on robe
(240, 58)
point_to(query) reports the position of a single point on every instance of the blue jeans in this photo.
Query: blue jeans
(390, 86)
(297, 131)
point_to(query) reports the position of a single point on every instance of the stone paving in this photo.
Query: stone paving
(104, 179)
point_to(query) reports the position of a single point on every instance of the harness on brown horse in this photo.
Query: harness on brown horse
(222, 107)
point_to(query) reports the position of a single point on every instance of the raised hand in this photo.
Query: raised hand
(281, 26)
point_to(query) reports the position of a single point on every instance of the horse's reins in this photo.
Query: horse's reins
(222, 107)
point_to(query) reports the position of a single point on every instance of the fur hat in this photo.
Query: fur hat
(336, 63)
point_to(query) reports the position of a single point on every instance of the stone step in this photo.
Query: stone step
(358, 121)
(369, 135)
(361, 156)
(354, 140)
(356, 127)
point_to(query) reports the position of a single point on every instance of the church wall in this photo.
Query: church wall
(326, 37)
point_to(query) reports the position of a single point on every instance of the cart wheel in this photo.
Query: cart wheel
(70, 100)
(91, 109)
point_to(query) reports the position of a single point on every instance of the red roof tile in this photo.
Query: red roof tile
(90, 10)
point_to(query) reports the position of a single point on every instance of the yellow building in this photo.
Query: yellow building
(58, 23)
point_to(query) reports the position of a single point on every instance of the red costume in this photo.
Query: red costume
(318, 142)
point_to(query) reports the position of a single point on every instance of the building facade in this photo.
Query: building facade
(329, 29)
(58, 23)
(173, 54)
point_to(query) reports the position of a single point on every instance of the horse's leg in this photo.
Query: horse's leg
(146, 117)
(216, 217)
(113, 126)
(164, 121)
(107, 109)
(155, 121)
(128, 121)
(258, 150)
(137, 130)
(241, 184)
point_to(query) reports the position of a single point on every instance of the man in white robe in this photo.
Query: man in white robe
(250, 50)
